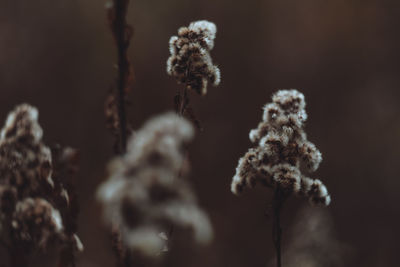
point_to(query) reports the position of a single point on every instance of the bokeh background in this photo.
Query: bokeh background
(342, 54)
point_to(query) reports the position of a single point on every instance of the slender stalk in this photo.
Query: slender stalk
(123, 67)
(122, 119)
(185, 102)
(127, 258)
(122, 34)
(276, 225)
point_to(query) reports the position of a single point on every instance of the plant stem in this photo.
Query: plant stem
(128, 258)
(276, 226)
(122, 119)
(185, 98)
(184, 102)
(123, 67)
(122, 33)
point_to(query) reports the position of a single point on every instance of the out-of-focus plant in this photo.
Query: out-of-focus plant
(147, 192)
(115, 104)
(38, 204)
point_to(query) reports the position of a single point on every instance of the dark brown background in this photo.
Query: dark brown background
(342, 54)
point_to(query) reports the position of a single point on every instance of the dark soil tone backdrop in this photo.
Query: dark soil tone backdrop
(343, 55)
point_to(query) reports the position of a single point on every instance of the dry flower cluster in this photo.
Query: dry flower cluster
(144, 195)
(190, 62)
(281, 147)
(35, 206)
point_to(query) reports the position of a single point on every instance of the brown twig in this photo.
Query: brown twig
(277, 204)
(183, 108)
(184, 102)
(122, 33)
(185, 98)
(120, 12)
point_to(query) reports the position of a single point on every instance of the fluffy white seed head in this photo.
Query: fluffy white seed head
(281, 149)
(34, 202)
(290, 100)
(207, 29)
(22, 122)
(147, 192)
(190, 62)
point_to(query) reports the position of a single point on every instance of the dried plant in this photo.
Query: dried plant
(281, 146)
(144, 195)
(115, 104)
(65, 162)
(116, 100)
(35, 205)
(190, 62)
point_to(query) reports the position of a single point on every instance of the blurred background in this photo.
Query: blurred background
(59, 56)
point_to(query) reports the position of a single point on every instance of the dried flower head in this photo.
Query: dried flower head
(33, 204)
(190, 61)
(36, 220)
(144, 195)
(25, 162)
(281, 148)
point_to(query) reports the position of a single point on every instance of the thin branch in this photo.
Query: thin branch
(122, 34)
(184, 102)
(276, 225)
(120, 12)
(185, 98)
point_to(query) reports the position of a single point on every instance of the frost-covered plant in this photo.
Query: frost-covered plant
(281, 146)
(280, 149)
(34, 204)
(146, 192)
